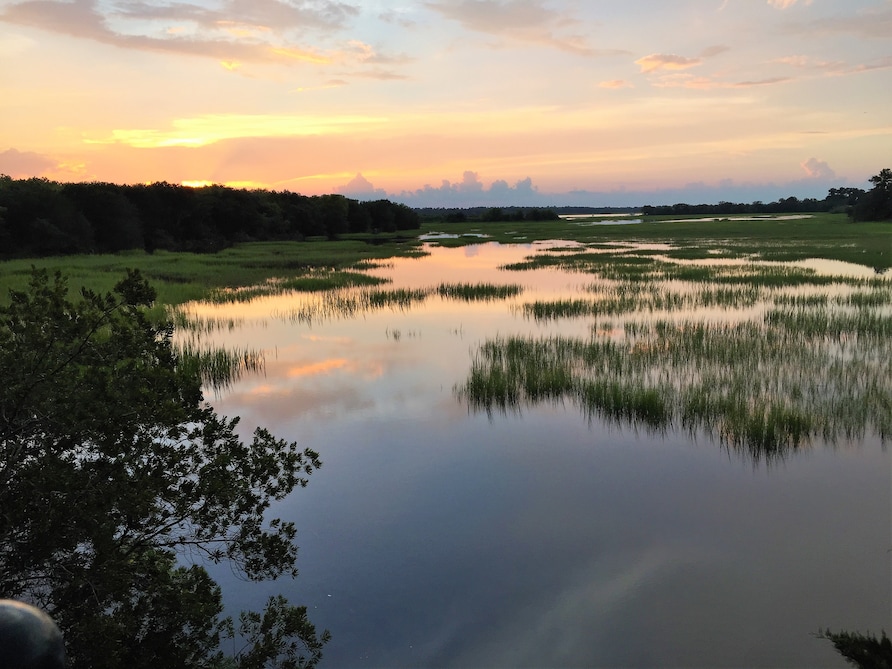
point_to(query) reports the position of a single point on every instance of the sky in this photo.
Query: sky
(453, 102)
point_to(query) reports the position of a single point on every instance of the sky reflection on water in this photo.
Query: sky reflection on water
(434, 536)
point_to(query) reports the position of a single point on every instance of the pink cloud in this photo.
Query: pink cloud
(24, 164)
(615, 84)
(662, 61)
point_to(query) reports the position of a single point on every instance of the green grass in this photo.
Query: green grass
(182, 277)
(830, 236)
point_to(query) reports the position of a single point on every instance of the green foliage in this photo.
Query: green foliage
(42, 217)
(861, 650)
(876, 204)
(117, 482)
(276, 637)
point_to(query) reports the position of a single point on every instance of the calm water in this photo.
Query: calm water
(436, 536)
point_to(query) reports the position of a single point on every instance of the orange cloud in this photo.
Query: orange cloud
(212, 128)
(615, 83)
(301, 55)
(662, 61)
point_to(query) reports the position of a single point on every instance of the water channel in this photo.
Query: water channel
(437, 534)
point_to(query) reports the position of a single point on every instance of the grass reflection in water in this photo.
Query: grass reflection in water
(780, 369)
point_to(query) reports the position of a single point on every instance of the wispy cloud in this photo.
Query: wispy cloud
(874, 23)
(833, 67)
(529, 21)
(615, 84)
(212, 128)
(786, 4)
(234, 33)
(684, 80)
(662, 61)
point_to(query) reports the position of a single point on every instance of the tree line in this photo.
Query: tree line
(39, 217)
(860, 205)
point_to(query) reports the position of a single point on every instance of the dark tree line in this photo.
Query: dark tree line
(838, 200)
(488, 214)
(41, 217)
(860, 205)
(876, 204)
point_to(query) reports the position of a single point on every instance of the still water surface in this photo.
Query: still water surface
(437, 536)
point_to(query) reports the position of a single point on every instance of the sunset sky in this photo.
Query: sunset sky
(453, 102)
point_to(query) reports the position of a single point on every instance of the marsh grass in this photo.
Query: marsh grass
(183, 277)
(341, 304)
(765, 386)
(219, 368)
(631, 297)
(478, 292)
(831, 236)
(314, 281)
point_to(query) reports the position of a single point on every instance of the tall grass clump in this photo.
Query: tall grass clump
(478, 292)
(764, 387)
(219, 368)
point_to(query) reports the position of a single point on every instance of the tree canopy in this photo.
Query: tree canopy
(118, 482)
(876, 204)
(41, 217)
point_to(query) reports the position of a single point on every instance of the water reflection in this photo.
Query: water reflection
(558, 535)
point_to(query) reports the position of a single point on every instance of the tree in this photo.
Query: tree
(861, 650)
(876, 204)
(117, 481)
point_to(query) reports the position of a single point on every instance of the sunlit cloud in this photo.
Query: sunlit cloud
(661, 61)
(615, 83)
(301, 55)
(211, 128)
(684, 80)
(262, 31)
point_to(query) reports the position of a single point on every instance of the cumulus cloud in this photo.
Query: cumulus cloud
(24, 164)
(663, 61)
(472, 192)
(818, 169)
(361, 188)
